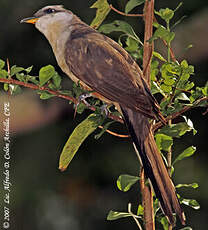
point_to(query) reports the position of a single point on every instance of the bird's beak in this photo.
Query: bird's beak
(31, 20)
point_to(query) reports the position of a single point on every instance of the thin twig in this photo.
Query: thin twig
(115, 134)
(134, 216)
(124, 14)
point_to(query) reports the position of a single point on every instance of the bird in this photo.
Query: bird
(101, 66)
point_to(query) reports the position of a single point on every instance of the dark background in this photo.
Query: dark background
(42, 197)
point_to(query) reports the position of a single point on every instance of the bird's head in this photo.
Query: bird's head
(50, 17)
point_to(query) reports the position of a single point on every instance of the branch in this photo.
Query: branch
(124, 14)
(147, 193)
(56, 93)
(177, 114)
(111, 116)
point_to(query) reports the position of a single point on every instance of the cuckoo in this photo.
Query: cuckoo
(102, 66)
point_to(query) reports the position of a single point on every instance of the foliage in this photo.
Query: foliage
(171, 80)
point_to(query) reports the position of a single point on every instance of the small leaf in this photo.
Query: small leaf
(164, 223)
(186, 153)
(2, 64)
(166, 14)
(176, 130)
(166, 88)
(15, 89)
(80, 133)
(6, 87)
(21, 77)
(132, 44)
(46, 95)
(186, 228)
(163, 141)
(3, 73)
(131, 4)
(125, 182)
(140, 210)
(14, 70)
(183, 97)
(159, 56)
(163, 33)
(32, 79)
(46, 73)
(193, 185)
(113, 215)
(28, 70)
(119, 26)
(102, 11)
(105, 127)
(56, 80)
(191, 203)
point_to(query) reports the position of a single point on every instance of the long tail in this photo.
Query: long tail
(153, 164)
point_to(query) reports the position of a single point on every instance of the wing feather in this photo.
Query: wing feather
(108, 69)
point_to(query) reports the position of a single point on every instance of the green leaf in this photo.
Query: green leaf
(164, 223)
(80, 133)
(140, 210)
(6, 87)
(2, 64)
(132, 44)
(119, 26)
(125, 182)
(32, 79)
(14, 70)
(3, 73)
(131, 4)
(46, 95)
(190, 124)
(102, 11)
(186, 153)
(183, 97)
(156, 89)
(46, 73)
(105, 127)
(186, 228)
(163, 141)
(159, 56)
(166, 88)
(14, 89)
(113, 215)
(163, 33)
(80, 108)
(193, 185)
(21, 77)
(176, 130)
(29, 69)
(56, 80)
(191, 203)
(166, 14)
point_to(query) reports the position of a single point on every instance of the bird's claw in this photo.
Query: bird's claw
(82, 99)
(104, 109)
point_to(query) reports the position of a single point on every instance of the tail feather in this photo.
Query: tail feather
(153, 164)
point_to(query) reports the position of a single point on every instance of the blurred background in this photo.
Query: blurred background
(42, 197)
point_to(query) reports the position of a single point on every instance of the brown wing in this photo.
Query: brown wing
(103, 66)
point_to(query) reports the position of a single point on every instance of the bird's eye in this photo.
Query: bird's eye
(49, 11)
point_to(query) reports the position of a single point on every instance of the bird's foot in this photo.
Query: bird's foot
(81, 99)
(105, 110)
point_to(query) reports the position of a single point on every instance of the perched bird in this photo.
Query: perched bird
(101, 65)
